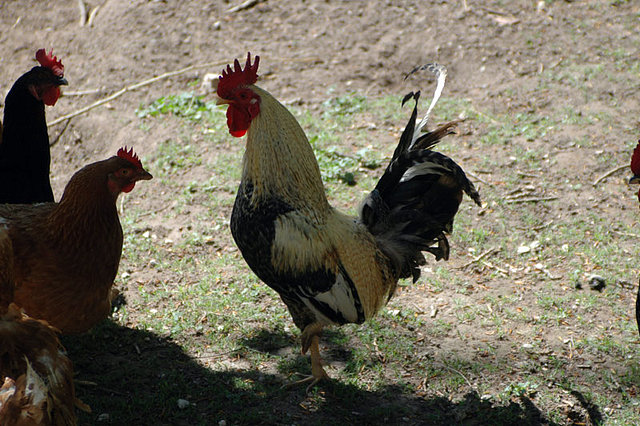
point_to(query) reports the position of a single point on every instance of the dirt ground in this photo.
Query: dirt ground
(496, 53)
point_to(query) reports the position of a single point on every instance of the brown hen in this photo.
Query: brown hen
(66, 254)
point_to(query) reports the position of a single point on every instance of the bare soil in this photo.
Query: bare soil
(496, 52)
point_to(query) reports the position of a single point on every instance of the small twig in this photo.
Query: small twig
(626, 234)
(544, 225)
(83, 92)
(524, 174)
(55, 141)
(461, 375)
(530, 200)
(83, 13)
(492, 266)
(609, 173)
(494, 12)
(244, 5)
(218, 355)
(479, 179)
(92, 15)
(478, 258)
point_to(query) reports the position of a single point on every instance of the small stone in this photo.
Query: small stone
(524, 249)
(183, 403)
(541, 6)
(527, 346)
(104, 417)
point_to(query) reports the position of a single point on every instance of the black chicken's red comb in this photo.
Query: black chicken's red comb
(635, 160)
(130, 156)
(47, 60)
(232, 78)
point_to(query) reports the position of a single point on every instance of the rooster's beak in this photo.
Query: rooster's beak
(62, 81)
(634, 179)
(221, 101)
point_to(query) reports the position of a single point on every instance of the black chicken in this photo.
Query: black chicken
(24, 149)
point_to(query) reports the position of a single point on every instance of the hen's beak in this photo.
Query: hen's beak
(61, 81)
(634, 179)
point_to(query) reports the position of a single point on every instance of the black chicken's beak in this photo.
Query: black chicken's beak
(143, 175)
(61, 81)
(634, 179)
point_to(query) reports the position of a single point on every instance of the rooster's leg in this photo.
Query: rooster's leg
(317, 372)
(311, 342)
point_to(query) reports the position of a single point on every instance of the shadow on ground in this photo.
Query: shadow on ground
(131, 376)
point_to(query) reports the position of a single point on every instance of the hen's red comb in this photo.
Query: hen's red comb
(232, 78)
(47, 60)
(635, 160)
(130, 156)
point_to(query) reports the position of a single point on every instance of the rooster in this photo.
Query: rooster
(66, 254)
(24, 149)
(635, 179)
(330, 268)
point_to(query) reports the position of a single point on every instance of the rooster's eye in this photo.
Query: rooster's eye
(124, 172)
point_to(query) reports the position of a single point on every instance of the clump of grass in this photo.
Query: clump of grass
(185, 105)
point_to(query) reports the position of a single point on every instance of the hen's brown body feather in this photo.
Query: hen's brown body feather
(66, 254)
(36, 377)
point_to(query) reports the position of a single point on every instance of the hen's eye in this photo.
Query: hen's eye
(124, 172)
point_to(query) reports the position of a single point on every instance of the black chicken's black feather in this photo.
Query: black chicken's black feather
(638, 308)
(24, 152)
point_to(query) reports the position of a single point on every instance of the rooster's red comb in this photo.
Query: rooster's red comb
(232, 78)
(130, 156)
(635, 160)
(47, 60)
